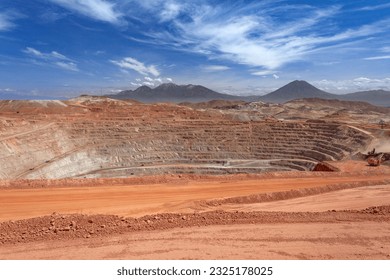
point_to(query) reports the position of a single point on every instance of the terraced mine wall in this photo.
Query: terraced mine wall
(106, 139)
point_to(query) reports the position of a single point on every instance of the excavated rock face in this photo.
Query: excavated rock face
(98, 137)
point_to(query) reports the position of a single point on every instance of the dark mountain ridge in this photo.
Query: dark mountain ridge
(376, 97)
(173, 93)
(295, 90)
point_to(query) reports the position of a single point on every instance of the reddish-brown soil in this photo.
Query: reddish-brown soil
(305, 218)
(139, 181)
(222, 235)
(180, 196)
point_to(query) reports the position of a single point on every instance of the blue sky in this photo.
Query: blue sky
(61, 48)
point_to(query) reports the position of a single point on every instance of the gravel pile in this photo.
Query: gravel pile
(57, 226)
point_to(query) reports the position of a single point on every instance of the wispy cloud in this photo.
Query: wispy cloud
(7, 20)
(266, 73)
(385, 49)
(52, 58)
(377, 57)
(133, 64)
(215, 68)
(7, 90)
(375, 7)
(259, 34)
(263, 72)
(71, 66)
(171, 10)
(101, 10)
(150, 82)
(48, 56)
(356, 84)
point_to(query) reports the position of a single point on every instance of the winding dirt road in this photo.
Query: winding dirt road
(139, 200)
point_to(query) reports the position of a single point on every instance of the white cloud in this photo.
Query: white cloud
(153, 81)
(356, 84)
(53, 58)
(263, 73)
(148, 81)
(148, 84)
(385, 49)
(215, 68)
(7, 90)
(246, 37)
(7, 18)
(376, 7)
(33, 51)
(58, 55)
(5, 22)
(124, 71)
(115, 90)
(48, 56)
(328, 63)
(377, 57)
(368, 81)
(259, 34)
(133, 64)
(101, 10)
(171, 10)
(67, 66)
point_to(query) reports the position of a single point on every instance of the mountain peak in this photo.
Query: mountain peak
(143, 87)
(143, 90)
(300, 84)
(296, 90)
(174, 93)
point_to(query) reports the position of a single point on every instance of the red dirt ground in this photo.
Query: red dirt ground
(297, 218)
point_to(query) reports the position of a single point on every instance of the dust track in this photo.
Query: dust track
(182, 196)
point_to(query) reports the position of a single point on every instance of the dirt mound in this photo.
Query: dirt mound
(377, 210)
(323, 166)
(57, 226)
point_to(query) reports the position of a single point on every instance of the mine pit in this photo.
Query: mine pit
(94, 170)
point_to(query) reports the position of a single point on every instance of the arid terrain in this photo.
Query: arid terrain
(96, 178)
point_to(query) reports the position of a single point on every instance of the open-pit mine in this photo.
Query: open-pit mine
(98, 178)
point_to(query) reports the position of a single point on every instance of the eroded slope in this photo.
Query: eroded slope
(99, 137)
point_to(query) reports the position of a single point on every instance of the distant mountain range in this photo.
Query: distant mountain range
(295, 90)
(376, 97)
(173, 93)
